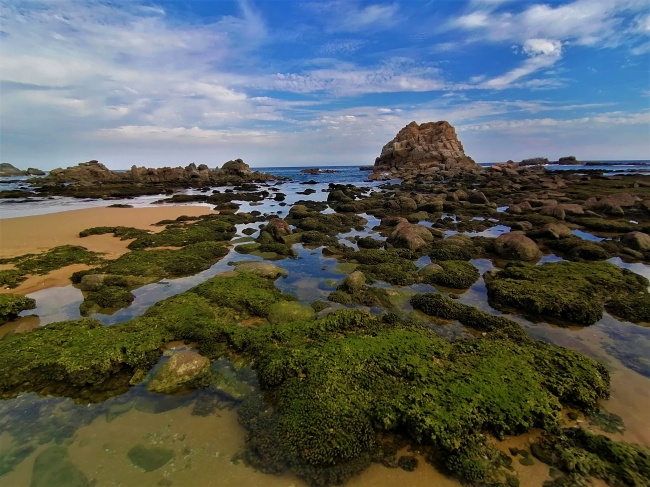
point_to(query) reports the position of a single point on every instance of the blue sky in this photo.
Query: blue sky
(280, 83)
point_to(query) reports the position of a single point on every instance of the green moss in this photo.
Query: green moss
(363, 295)
(12, 304)
(286, 311)
(569, 291)
(580, 455)
(53, 259)
(157, 264)
(327, 223)
(318, 239)
(180, 235)
(455, 274)
(369, 243)
(606, 225)
(244, 292)
(123, 233)
(10, 278)
(449, 249)
(634, 308)
(111, 297)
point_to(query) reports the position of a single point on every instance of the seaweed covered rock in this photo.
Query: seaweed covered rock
(106, 297)
(580, 455)
(354, 291)
(12, 304)
(457, 247)
(184, 370)
(214, 229)
(286, 311)
(568, 291)
(278, 228)
(453, 273)
(634, 308)
(340, 380)
(261, 269)
(410, 236)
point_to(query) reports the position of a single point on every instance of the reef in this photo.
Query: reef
(12, 304)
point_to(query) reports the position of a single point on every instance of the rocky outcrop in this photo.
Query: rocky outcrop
(93, 179)
(7, 170)
(431, 146)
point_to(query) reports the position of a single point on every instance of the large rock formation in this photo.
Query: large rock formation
(431, 146)
(93, 179)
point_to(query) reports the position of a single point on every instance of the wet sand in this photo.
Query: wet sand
(36, 234)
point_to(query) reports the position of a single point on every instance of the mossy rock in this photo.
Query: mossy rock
(149, 458)
(317, 239)
(634, 308)
(52, 468)
(107, 297)
(287, 311)
(123, 233)
(450, 249)
(579, 455)
(568, 291)
(454, 273)
(12, 304)
(215, 229)
(11, 278)
(51, 260)
(261, 269)
(183, 371)
(247, 293)
(157, 264)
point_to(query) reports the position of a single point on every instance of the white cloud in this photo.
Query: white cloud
(350, 16)
(543, 53)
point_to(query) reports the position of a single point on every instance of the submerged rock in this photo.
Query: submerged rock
(185, 369)
(149, 458)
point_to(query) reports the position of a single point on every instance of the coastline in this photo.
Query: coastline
(39, 233)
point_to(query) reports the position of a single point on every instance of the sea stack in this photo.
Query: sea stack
(427, 147)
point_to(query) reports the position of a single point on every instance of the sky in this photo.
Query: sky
(319, 83)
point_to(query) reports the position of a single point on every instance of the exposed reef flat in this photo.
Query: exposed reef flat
(391, 352)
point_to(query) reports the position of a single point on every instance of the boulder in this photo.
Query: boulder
(184, 370)
(411, 236)
(355, 280)
(236, 168)
(516, 246)
(278, 228)
(556, 231)
(477, 197)
(637, 241)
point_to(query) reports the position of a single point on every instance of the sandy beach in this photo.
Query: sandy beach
(35, 234)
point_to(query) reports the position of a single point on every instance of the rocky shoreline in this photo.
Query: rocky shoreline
(351, 380)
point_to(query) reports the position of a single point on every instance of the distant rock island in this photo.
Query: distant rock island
(7, 170)
(427, 147)
(540, 161)
(316, 170)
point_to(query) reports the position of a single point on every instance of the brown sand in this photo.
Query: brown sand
(36, 234)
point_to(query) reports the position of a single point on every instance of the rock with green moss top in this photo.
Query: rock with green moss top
(106, 297)
(453, 273)
(400, 272)
(339, 380)
(581, 455)
(317, 239)
(287, 311)
(261, 269)
(451, 248)
(369, 243)
(185, 370)
(575, 248)
(327, 223)
(53, 468)
(123, 233)
(244, 292)
(52, 260)
(215, 229)
(12, 304)
(149, 458)
(157, 264)
(567, 291)
(634, 308)
(11, 278)
(356, 293)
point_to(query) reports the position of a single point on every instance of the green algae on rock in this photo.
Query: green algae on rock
(579, 455)
(184, 370)
(123, 233)
(11, 278)
(106, 297)
(569, 291)
(12, 304)
(53, 259)
(454, 273)
(217, 228)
